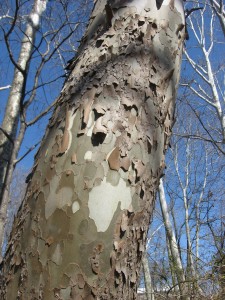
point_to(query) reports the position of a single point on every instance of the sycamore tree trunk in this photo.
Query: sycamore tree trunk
(81, 230)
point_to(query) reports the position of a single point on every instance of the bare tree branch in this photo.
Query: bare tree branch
(27, 152)
(5, 87)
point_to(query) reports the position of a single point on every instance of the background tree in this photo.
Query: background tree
(192, 204)
(17, 192)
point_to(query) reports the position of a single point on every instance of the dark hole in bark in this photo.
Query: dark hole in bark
(29, 176)
(83, 124)
(116, 275)
(122, 233)
(137, 178)
(102, 57)
(155, 145)
(149, 147)
(129, 214)
(140, 23)
(60, 154)
(142, 194)
(140, 37)
(133, 31)
(80, 134)
(97, 114)
(130, 107)
(153, 88)
(123, 277)
(159, 3)
(115, 85)
(162, 175)
(154, 25)
(154, 69)
(16, 268)
(98, 138)
(99, 43)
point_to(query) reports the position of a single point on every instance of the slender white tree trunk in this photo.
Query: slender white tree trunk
(9, 145)
(147, 276)
(177, 264)
(5, 198)
(172, 268)
(198, 215)
(184, 186)
(10, 122)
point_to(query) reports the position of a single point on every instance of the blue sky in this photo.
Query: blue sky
(53, 69)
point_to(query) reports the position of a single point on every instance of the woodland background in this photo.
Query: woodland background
(187, 235)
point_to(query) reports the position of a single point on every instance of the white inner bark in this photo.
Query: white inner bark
(104, 200)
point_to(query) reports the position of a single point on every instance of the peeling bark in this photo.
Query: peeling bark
(81, 231)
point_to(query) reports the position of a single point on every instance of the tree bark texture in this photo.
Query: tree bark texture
(81, 230)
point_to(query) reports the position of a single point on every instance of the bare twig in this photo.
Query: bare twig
(27, 152)
(5, 87)
(42, 113)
